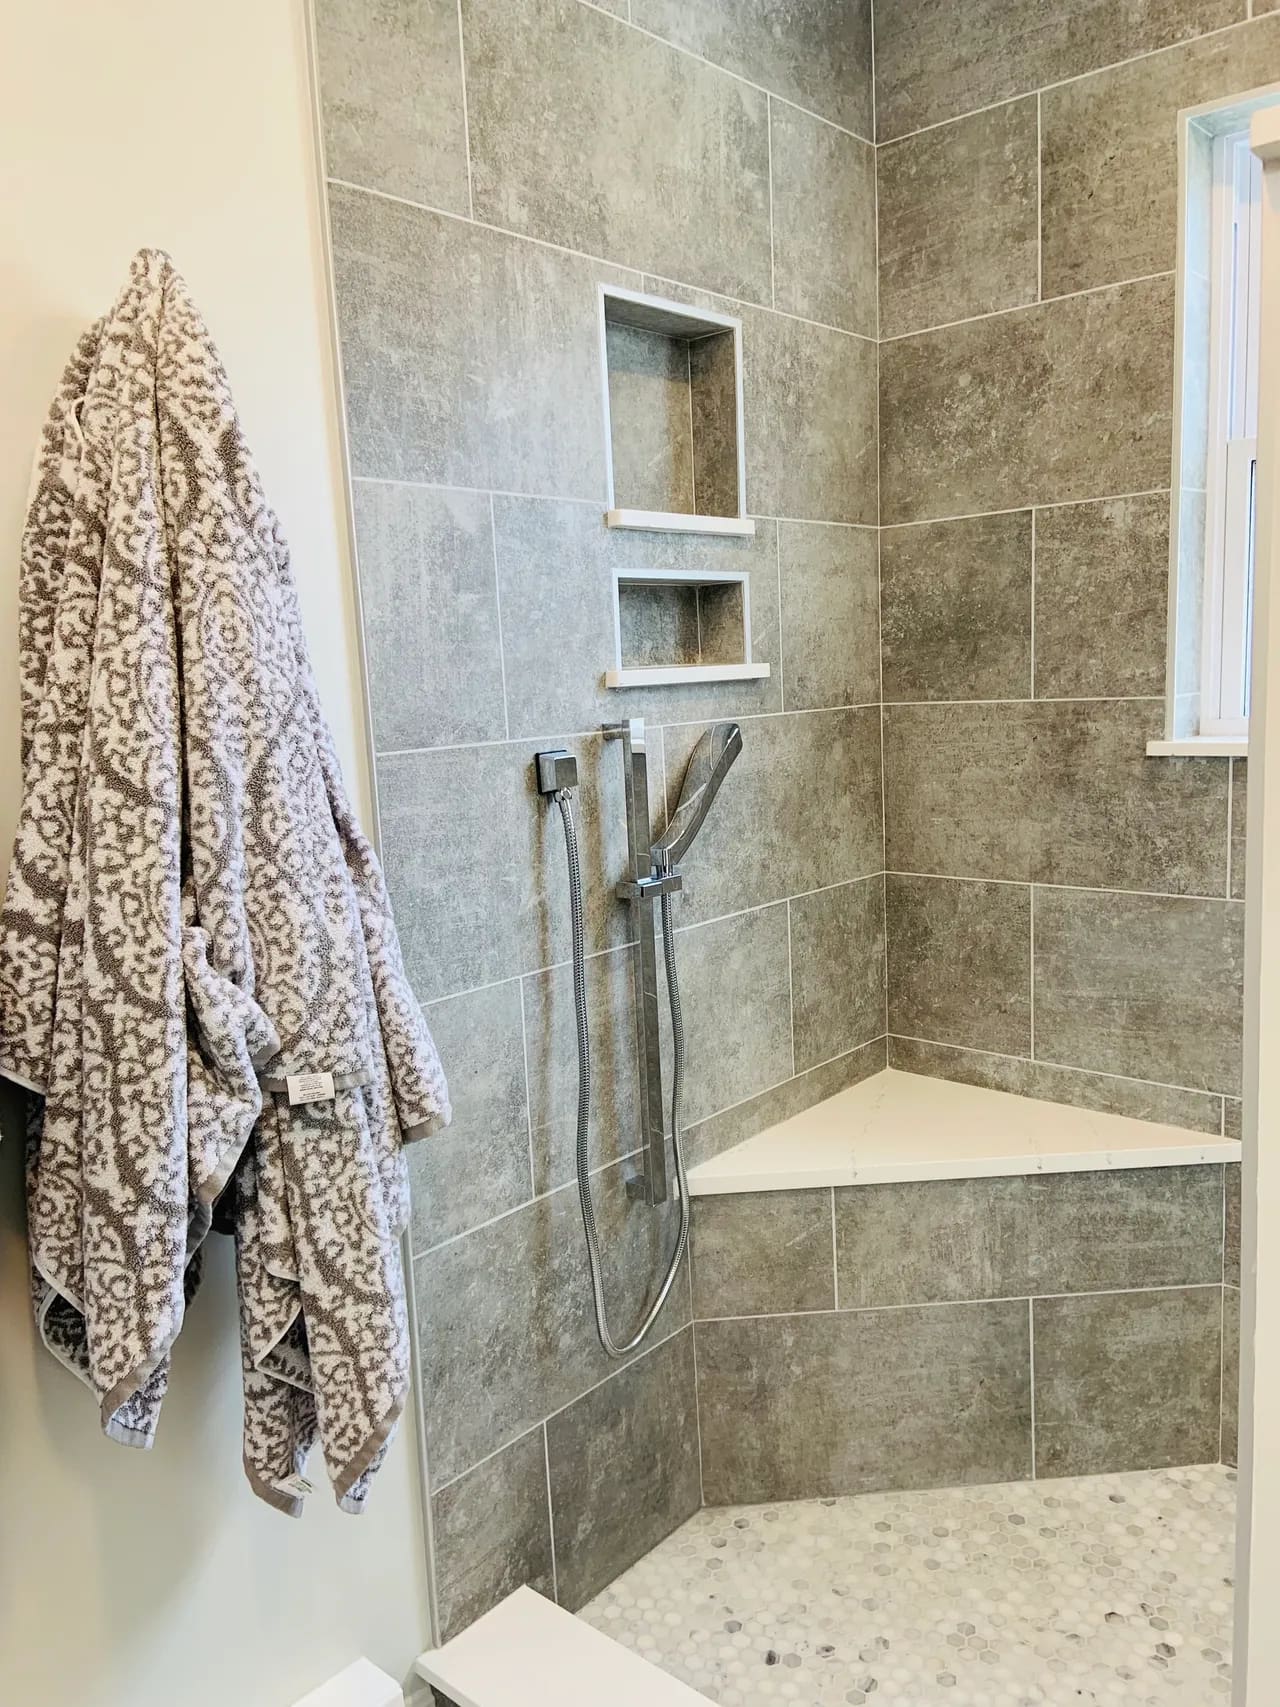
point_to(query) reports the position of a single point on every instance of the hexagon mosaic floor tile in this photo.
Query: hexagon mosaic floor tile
(1099, 1589)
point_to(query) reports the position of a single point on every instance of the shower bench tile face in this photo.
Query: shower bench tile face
(893, 1334)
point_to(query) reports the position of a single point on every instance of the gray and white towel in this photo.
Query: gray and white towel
(200, 978)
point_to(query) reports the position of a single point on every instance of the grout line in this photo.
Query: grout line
(1017, 509)
(1027, 882)
(791, 992)
(835, 1260)
(466, 124)
(1064, 82)
(1028, 307)
(1064, 1067)
(773, 283)
(497, 601)
(551, 1515)
(782, 638)
(1031, 1355)
(1048, 699)
(1039, 202)
(960, 1303)
(1222, 1364)
(1032, 966)
(639, 273)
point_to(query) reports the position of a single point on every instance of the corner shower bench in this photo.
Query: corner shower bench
(897, 1126)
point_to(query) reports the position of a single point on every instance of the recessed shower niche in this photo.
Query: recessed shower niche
(672, 385)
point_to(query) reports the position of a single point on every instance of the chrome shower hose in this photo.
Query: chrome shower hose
(589, 1225)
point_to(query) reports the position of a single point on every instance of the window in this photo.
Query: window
(1231, 461)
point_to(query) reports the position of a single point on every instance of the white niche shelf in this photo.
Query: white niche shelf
(671, 384)
(681, 625)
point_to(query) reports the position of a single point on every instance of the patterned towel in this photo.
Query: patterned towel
(194, 922)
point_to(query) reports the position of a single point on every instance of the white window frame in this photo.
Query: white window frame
(1235, 283)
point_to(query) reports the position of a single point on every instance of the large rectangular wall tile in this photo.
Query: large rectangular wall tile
(959, 962)
(721, 1131)
(956, 608)
(555, 575)
(1112, 818)
(425, 305)
(934, 60)
(430, 602)
(798, 1407)
(391, 98)
(1229, 1446)
(1143, 985)
(959, 790)
(1110, 161)
(665, 167)
(959, 231)
(1066, 400)
(1102, 598)
(824, 221)
(830, 614)
(733, 1057)
(493, 1533)
(1127, 1380)
(507, 1329)
(762, 1253)
(475, 860)
(551, 1050)
(623, 1468)
(478, 1167)
(799, 810)
(837, 970)
(1196, 1111)
(811, 52)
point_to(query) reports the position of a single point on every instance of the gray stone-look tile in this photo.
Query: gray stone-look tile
(837, 970)
(658, 625)
(1232, 1118)
(650, 419)
(762, 1253)
(1102, 598)
(1239, 825)
(552, 1056)
(928, 1242)
(555, 575)
(665, 167)
(956, 608)
(1229, 1447)
(391, 98)
(824, 221)
(811, 52)
(960, 789)
(505, 1316)
(425, 305)
(1127, 1380)
(1231, 1224)
(1065, 400)
(830, 615)
(801, 1406)
(1197, 1111)
(720, 1132)
(1110, 154)
(493, 1533)
(623, 1464)
(478, 1167)
(1110, 817)
(959, 962)
(799, 810)
(934, 60)
(476, 864)
(959, 231)
(713, 409)
(740, 1048)
(429, 597)
(1147, 986)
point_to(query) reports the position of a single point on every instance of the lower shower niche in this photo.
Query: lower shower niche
(681, 625)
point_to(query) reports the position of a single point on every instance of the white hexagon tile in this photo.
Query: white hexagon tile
(1103, 1590)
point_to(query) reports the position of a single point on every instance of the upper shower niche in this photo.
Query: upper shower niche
(672, 385)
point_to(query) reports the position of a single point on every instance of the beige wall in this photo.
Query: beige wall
(157, 1578)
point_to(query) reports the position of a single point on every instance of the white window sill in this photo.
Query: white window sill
(1200, 747)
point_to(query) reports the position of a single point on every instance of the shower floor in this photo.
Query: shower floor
(1098, 1589)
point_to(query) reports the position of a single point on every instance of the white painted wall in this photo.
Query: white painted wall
(157, 1578)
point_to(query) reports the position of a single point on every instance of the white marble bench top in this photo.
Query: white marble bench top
(903, 1126)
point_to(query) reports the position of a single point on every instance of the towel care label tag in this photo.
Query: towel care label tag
(309, 1087)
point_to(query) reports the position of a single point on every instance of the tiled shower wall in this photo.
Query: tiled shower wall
(1065, 915)
(490, 164)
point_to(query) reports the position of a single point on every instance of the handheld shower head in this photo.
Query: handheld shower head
(707, 768)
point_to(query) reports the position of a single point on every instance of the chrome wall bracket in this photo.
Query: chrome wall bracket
(642, 887)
